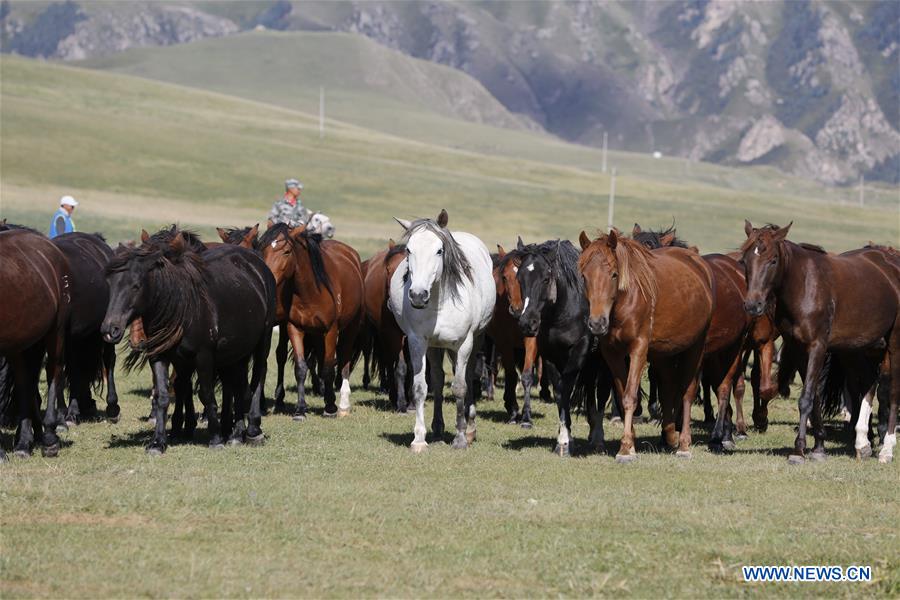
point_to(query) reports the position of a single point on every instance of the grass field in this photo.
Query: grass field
(342, 508)
(336, 508)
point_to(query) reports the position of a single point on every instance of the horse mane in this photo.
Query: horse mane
(392, 252)
(4, 226)
(565, 267)
(772, 228)
(812, 247)
(633, 260)
(175, 281)
(653, 239)
(313, 246)
(456, 266)
(168, 235)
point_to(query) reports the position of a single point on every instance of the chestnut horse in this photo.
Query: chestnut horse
(508, 340)
(34, 314)
(320, 293)
(818, 301)
(387, 338)
(654, 306)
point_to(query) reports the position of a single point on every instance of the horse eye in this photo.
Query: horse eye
(440, 251)
(615, 275)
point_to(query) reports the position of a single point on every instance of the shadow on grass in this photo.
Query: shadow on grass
(8, 442)
(405, 439)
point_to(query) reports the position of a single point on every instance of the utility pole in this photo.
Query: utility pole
(605, 135)
(321, 112)
(612, 196)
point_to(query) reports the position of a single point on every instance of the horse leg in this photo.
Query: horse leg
(26, 395)
(54, 370)
(463, 374)
(808, 397)
(738, 388)
(594, 408)
(281, 356)
(708, 417)
(399, 379)
(861, 444)
(653, 404)
(417, 349)
(528, 373)
(436, 368)
(892, 361)
(689, 367)
(161, 385)
(300, 370)
(206, 380)
(763, 358)
(326, 373)
(345, 345)
(257, 388)
(184, 403)
(509, 387)
(112, 397)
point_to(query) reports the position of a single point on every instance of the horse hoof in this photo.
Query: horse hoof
(344, 412)
(256, 440)
(151, 422)
(729, 445)
(216, 446)
(624, 459)
(741, 437)
(526, 425)
(155, 450)
(685, 454)
(598, 449)
(817, 456)
(329, 415)
(616, 421)
(418, 447)
(716, 448)
(864, 452)
(113, 420)
(22, 453)
(299, 418)
(885, 459)
(50, 451)
(562, 450)
(470, 437)
(460, 443)
(235, 441)
(796, 459)
(63, 427)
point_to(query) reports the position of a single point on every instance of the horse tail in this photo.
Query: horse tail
(831, 385)
(7, 406)
(84, 362)
(136, 359)
(788, 365)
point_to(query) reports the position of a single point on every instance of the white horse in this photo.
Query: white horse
(443, 297)
(321, 224)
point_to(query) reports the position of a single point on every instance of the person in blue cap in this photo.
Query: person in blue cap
(62, 221)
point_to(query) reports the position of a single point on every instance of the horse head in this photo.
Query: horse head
(277, 247)
(763, 258)
(536, 276)
(599, 266)
(321, 224)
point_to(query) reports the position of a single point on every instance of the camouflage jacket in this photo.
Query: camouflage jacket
(285, 212)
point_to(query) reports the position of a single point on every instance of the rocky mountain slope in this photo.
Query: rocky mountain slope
(812, 87)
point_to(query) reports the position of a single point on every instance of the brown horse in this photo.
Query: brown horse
(654, 306)
(34, 313)
(508, 340)
(818, 303)
(387, 338)
(320, 293)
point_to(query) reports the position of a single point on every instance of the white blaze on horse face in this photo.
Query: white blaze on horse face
(530, 267)
(425, 264)
(525, 306)
(756, 251)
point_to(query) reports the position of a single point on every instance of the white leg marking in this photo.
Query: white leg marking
(862, 423)
(887, 451)
(344, 404)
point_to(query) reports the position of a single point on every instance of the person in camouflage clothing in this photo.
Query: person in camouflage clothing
(290, 208)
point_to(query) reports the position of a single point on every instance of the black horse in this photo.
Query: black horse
(209, 312)
(554, 308)
(88, 357)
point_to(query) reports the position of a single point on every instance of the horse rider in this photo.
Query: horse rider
(62, 221)
(290, 208)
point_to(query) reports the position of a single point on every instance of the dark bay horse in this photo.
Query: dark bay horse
(629, 288)
(88, 357)
(34, 312)
(386, 336)
(508, 340)
(554, 310)
(827, 305)
(209, 312)
(319, 294)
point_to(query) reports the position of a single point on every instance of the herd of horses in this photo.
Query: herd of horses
(583, 323)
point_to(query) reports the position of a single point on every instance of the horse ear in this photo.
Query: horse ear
(667, 239)
(178, 243)
(222, 234)
(269, 223)
(636, 230)
(500, 251)
(296, 231)
(612, 239)
(391, 244)
(782, 233)
(250, 238)
(145, 237)
(748, 227)
(520, 245)
(584, 240)
(254, 231)
(3, 222)
(403, 223)
(443, 218)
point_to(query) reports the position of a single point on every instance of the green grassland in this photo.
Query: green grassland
(341, 507)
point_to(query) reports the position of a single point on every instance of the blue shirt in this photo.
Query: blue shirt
(61, 223)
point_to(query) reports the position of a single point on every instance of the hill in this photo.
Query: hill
(140, 153)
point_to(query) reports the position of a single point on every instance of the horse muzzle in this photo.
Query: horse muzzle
(599, 326)
(530, 326)
(755, 308)
(112, 334)
(419, 298)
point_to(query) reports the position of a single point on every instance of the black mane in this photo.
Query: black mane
(236, 235)
(565, 267)
(653, 239)
(4, 226)
(167, 236)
